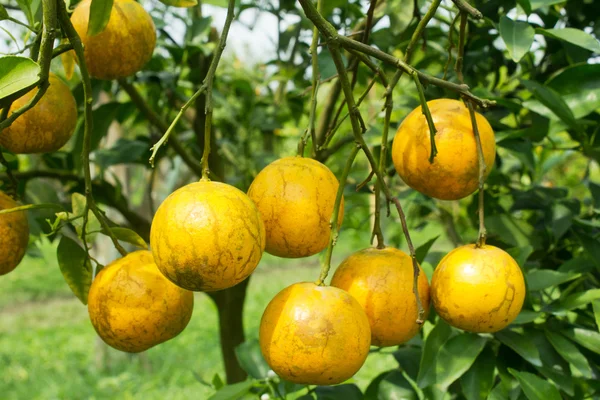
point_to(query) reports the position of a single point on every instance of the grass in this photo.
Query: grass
(49, 349)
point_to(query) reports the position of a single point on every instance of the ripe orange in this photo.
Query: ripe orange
(14, 235)
(125, 45)
(455, 171)
(295, 197)
(478, 289)
(207, 236)
(134, 307)
(382, 282)
(315, 335)
(47, 126)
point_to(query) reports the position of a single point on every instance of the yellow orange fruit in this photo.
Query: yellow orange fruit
(478, 289)
(124, 46)
(295, 197)
(455, 171)
(207, 236)
(316, 335)
(47, 126)
(14, 235)
(134, 307)
(381, 280)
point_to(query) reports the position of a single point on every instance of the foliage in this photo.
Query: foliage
(537, 59)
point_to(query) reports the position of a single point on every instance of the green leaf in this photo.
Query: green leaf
(401, 13)
(18, 75)
(570, 353)
(128, 236)
(218, 3)
(100, 11)
(523, 345)
(500, 392)
(30, 207)
(525, 5)
(535, 4)
(232, 392)
(25, 6)
(346, 392)
(409, 359)
(576, 300)
(192, 3)
(591, 246)
(456, 357)
(75, 266)
(251, 359)
(596, 308)
(434, 341)
(540, 279)
(395, 386)
(3, 13)
(78, 202)
(573, 36)
(579, 86)
(586, 338)
(526, 316)
(217, 381)
(552, 100)
(595, 189)
(421, 251)
(517, 35)
(563, 381)
(124, 151)
(534, 387)
(477, 382)
(520, 254)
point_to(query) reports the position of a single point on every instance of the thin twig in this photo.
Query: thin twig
(450, 44)
(466, 8)
(462, 37)
(427, 114)
(63, 48)
(482, 173)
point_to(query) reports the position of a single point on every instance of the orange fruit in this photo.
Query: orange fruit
(295, 197)
(314, 335)
(381, 280)
(478, 289)
(47, 126)
(124, 46)
(207, 236)
(134, 307)
(14, 235)
(454, 174)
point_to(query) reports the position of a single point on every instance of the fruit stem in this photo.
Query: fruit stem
(482, 172)
(90, 203)
(326, 264)
(316, 79)
(427, 114)
(462, 37)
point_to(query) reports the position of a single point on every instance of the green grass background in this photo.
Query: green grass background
(49, 349)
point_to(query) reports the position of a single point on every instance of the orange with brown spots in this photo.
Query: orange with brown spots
(124, 46)
(381, 280)
(47, 126)
(134, 307)
(14, 235)
(454, 173)
(295, 197)
(315, 335)
(207, 236)
(478, 289)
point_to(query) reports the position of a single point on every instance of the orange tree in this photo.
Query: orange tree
(516, 305)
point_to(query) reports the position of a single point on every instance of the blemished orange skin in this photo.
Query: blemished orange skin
(295, 197)
(315, 335)
(133, 307)
(14, 235)
(123, 47)
(47, 126)
(381, 280)
(478, 289)
(454, 174)
(207, 236)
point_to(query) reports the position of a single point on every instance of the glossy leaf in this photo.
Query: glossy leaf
(75, 267)
(422, 250)
(3, 13)
(586, 338)
(579, 86)
(100, 11)
(396, 386)
(347, 391)
(552, 100)
(596, 308)
(576, 300)
(434, 341)
(477, 382)
(129, 236)
(124, 151)
(232, 392)
(535, 4)
(573, 36)
(456, 357)
(251, 359)
(517, 36)
(25, 6)
(540, 279)
(534, 387)
(400, 13)
(592, 247)
(18, 75)
(522, 345)
(570, 353)
(409, 359)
